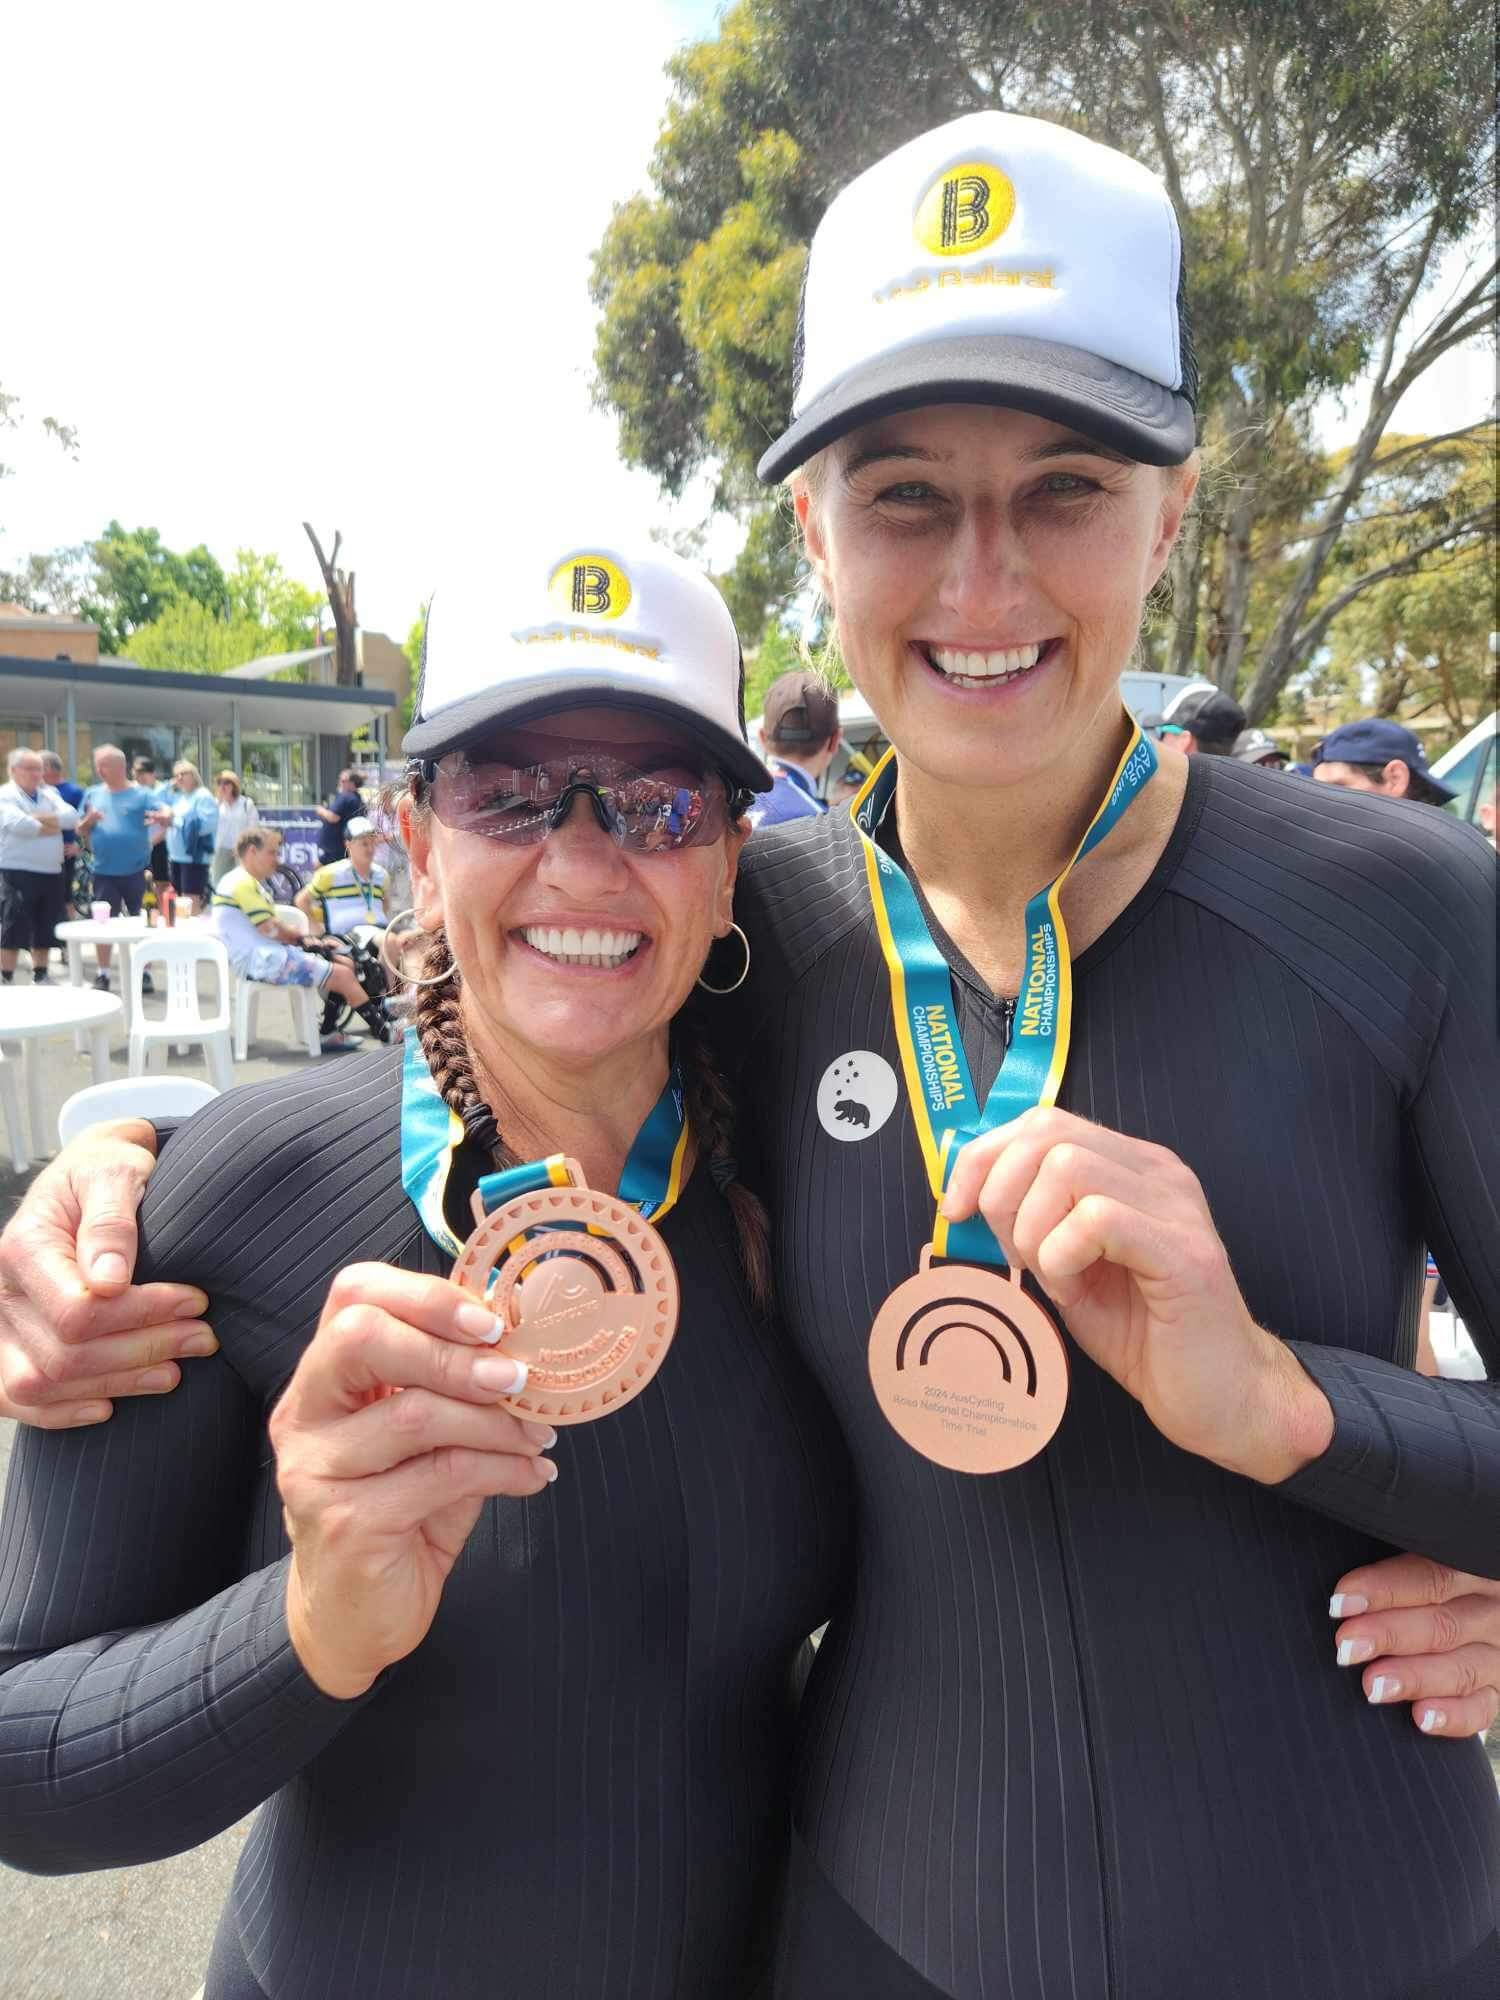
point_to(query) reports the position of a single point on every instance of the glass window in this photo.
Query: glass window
(1460, 779)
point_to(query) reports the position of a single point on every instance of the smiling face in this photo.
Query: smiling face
(987, 570)
(575, 946)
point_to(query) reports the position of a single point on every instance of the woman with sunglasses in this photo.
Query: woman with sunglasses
(521, 1696)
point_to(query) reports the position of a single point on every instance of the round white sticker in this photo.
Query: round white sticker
(858, 1093)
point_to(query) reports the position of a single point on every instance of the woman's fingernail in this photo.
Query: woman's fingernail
(198, 1345)
(194, 1306)
(501, 1373)
(109, 1268)
(1347, 1605)
(1354, 1652)
(541, 1434)
(479, 1323)
(1432, 1718)
(1384, 1688)
(547, 1469)
(156, 1378)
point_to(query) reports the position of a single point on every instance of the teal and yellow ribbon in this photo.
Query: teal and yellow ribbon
(939, 1089)
(432, 1132)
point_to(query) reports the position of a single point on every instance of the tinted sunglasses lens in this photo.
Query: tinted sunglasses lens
(650, 811)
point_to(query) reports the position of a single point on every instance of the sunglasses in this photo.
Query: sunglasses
(671, 804)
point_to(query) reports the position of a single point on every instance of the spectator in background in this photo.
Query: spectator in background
(236, 812)
(71, 795)
(1377, 755)
(1253, 746)
(344, 894)
(143, 772)
(1486, 814)
(261, 947)
(1205, 721)
(191, 836)
(799, 733)
(33, 820)
(120, 821)
(346, 804)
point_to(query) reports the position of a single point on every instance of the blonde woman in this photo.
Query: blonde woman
(191, 836)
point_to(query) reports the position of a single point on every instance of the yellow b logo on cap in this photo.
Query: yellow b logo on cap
(590, 587)
(966, 208)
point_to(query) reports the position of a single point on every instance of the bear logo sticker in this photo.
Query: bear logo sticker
(857, 1094)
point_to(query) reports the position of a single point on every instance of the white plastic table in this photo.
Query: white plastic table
(123, 931)
(30, 1013)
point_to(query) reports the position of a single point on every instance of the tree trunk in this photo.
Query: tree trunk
(1183, 569)
(340, 588)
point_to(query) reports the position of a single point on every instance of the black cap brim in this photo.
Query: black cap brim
(1113, 405)
(464, 722)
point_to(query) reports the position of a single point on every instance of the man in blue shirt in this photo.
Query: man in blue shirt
(799, 732)
(346, 804)
(121, 821)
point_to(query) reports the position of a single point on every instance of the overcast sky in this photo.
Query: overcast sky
(330, 262)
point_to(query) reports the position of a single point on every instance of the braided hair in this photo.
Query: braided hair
(438, 1020)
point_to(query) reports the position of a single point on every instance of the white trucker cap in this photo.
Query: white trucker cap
(1005, 260)
(593, 624)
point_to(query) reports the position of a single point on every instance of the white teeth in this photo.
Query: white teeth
(571, 947)
(979, 667)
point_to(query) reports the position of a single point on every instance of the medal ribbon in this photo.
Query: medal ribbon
(939, 1088)
(432, 1132)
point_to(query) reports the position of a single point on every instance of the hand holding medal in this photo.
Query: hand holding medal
(583, 1285)
(966, 1366)
(1119, 1231)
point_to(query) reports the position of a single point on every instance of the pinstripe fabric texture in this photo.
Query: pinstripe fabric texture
(577, 1786)
(1080, 1734)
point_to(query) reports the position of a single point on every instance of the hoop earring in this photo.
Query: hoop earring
(391, 930)
(735, 984)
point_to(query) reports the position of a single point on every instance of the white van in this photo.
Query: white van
(1470, 772)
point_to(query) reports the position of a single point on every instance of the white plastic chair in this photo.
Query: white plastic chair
(306, 1001)
(15, 1129)
(132, 1097)
(183, 1024)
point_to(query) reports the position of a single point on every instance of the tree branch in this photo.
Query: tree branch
(1313, 631)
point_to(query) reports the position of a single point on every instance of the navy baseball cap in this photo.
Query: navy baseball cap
(1376, 740)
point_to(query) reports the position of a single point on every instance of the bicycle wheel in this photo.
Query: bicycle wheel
(285, 884)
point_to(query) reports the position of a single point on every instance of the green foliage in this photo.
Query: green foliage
(138, 577)
(260, 610)
(55, 582)
(412, 648)
(778, 653)
(1419, 639)
(767, 573)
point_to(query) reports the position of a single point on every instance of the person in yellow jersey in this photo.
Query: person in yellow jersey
(342, 895)
(262, 947)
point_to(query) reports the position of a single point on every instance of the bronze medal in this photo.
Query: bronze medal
(588, 1293)
(967, 1368)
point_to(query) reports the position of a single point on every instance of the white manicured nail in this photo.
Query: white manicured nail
(547, 1469)
(1432, 1718)
(1354, 1652)
(480, 1324)
(1342, 1605)
(501, 1373)
(1384, 1688)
